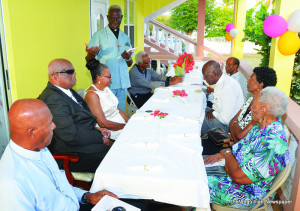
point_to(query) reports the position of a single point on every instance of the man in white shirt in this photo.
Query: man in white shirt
(30, 178)
(228, 97)
(232, 65)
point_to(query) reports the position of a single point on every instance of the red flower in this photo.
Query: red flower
(159, 114)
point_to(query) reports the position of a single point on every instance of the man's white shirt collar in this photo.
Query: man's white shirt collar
(33, 155)
(67, 92)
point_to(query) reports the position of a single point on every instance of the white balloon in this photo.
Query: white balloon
(233, 32)
(294, 21)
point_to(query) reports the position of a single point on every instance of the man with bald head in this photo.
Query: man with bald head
(75, 131)
(232, 65)
(30, 178)
(228, 97)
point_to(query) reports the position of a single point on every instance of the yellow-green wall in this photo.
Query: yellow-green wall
(40, 31)
(142, 9)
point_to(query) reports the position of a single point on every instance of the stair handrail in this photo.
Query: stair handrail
(178, 34)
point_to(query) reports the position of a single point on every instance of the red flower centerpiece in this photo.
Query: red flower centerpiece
(180, 93)
(158, 113)
(184, 64)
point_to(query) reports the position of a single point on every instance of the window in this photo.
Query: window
(100, 22)
(129, 20)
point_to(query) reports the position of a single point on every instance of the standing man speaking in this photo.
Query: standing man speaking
(110, 46)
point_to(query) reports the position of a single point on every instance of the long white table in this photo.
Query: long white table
(161, 159)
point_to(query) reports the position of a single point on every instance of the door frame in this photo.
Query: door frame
(106, 2)
(5, 87)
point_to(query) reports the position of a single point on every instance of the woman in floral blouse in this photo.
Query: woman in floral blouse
(254, 161)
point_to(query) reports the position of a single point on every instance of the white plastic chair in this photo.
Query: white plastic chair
(278, 181)
(131, 107)
(80, 92)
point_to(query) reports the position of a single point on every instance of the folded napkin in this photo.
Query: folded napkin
(185, 119)
(185, 135)
(194, 76)
(146, 168)
(134, 117)
(160, 100)
(145, 144)
(198, 91)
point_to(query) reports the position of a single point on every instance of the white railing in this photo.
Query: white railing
(170, 40)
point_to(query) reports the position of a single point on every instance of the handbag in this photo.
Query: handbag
(218, 135)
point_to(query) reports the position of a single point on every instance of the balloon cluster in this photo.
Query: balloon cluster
(275, 26)
(232, 32)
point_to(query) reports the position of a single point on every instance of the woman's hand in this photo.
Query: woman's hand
(105, 132)
(213, 158)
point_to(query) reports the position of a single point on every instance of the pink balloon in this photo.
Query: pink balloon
(229, 27)
(274, 26)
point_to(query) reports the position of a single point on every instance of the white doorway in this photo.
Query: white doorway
(98, 12)
(5, 89)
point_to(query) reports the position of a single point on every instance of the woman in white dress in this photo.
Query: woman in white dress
(102, 102)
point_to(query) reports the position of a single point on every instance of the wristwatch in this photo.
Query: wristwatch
(83, 198)
(226, 152)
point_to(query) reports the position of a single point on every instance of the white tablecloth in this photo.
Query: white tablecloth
(160, 159)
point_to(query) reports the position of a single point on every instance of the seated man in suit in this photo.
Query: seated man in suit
(75, 131)
(30, 178)
(143, 79)
(228, 97)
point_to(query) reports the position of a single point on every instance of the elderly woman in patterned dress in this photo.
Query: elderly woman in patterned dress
(254, 161)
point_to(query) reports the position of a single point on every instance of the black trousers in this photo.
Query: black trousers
(140, 99)
(86, 162)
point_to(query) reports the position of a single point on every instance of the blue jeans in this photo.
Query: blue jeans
(121, 95)
(211, 124)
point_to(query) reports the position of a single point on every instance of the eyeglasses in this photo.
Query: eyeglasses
(70, 71)
(106, 76)
(118, 19)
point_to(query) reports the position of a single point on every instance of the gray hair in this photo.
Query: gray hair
(275, 100)
(139, 56)
(114, 7)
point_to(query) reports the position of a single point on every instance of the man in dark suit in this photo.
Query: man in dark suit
(75, 131)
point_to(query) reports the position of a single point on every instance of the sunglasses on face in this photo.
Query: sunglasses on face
(70, 72)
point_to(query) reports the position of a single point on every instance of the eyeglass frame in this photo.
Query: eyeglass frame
(112, 19)
(69, 71)
(106, 76)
